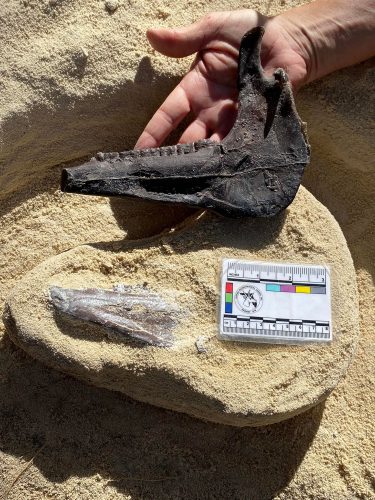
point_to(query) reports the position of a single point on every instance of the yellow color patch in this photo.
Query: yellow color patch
(303, 289)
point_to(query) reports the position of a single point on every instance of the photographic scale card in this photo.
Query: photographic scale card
(275, 302)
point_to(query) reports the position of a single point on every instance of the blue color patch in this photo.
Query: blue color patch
(228, 307)
(272, 288)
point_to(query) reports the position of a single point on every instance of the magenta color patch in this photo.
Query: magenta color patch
(288, 288)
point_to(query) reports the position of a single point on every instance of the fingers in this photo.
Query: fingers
(167, 117)
(216, 137)
(225, 119)
(189, 39)
(213, 123)
(195, 131)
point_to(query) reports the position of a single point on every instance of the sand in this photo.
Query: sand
(61, 438)
(231, 383)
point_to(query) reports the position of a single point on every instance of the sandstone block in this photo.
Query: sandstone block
(241, 384)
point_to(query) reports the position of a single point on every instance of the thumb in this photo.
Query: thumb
(177, 42)
(185, 41)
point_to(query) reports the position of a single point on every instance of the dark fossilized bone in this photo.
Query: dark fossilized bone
(135, 312)
(255, 171)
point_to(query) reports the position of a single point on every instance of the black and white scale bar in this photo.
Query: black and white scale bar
(275, 320)
(254, 332)
(279, 273)
(273, 327)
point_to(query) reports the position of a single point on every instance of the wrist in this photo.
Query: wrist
(301, 42)
(329, 35)
(290, 49)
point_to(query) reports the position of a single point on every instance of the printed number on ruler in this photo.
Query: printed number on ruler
(274, 302)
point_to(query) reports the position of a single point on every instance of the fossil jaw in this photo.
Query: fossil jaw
(255, 171)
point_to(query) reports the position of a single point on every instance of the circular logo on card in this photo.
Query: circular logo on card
(249, 299)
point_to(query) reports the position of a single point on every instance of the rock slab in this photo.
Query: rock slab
(240, 384)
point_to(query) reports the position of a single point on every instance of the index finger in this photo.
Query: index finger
(167, 117)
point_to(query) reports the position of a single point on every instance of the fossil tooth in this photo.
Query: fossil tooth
(255, 171)
(146, 152)
(183, 148)
(204, 143)
(135, 312)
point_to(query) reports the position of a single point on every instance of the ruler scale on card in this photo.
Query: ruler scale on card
(275, 302)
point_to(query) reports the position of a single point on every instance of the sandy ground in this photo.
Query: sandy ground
(232, 383)
(60, 438)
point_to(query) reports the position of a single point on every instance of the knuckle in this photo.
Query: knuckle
(210, 19)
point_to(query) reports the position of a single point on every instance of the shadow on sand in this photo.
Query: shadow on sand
(142, 451)
(43, 136)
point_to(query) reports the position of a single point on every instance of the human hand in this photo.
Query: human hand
(209, 89)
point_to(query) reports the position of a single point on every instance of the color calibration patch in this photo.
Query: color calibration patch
(271, 287)
(228, 297)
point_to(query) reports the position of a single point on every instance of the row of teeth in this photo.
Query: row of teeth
(163, 151)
